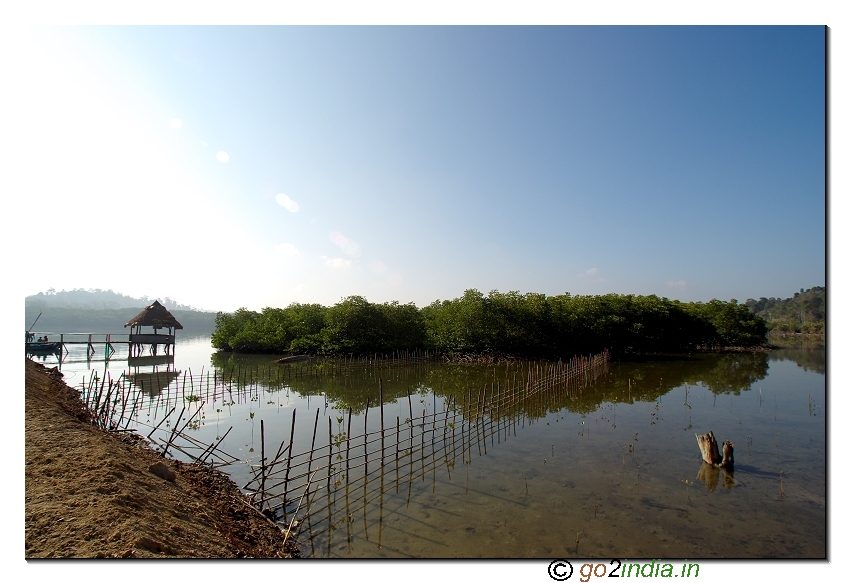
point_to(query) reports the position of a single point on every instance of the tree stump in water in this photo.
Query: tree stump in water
(711, 454)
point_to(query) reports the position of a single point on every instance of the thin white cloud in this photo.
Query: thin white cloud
(680, 285)
(589, 273)
(287, 203)
(336, 262)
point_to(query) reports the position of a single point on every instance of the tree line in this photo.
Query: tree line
(509, 324)
(96, 299)
(805, 312)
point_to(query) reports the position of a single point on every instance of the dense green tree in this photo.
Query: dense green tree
(355, 326)
(498, 324)
(804, 312)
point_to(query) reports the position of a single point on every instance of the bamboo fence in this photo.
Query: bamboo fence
(347, 466)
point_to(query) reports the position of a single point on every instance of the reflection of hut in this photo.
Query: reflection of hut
(137, 361)
(157, 317)
(152, 383)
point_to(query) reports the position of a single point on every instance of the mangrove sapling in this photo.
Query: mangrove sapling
(688, 485)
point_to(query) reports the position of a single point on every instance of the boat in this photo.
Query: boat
(294, 359)
(43, 347)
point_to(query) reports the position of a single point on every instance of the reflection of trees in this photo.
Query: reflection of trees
(346, 385)
(809, 358)
(733, 373)
(647, 381)
(355, 387)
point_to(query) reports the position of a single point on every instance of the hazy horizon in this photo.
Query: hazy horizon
(184, 306)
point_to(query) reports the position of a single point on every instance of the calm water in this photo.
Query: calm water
(615, 471)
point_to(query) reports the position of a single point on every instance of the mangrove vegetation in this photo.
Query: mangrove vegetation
(498, 324)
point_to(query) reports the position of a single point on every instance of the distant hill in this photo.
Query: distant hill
(103, 311)
(805, 312)
(98, 299)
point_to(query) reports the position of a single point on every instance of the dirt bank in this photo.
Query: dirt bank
(91, 494)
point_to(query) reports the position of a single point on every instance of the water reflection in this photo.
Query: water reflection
(356, 386)
(609, 459)
(809, 358)
(153, 383)
(711, 476)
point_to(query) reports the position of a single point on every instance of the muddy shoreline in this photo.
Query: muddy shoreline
(92, 494)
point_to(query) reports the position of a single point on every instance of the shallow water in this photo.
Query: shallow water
(612, 471)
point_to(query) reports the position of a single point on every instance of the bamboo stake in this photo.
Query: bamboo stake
(397, 438)
(288, 463)
(211, 449)
(313, 444)
(381, 397)
(330, 451)
(262, 464)
(347, 445)
(365, 435)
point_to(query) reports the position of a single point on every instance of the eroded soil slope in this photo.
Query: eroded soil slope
(91, 494)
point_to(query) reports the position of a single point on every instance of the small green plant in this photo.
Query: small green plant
(688, 485)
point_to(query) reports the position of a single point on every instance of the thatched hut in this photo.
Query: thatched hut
(157, 317)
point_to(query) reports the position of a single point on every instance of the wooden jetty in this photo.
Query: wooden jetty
(139, 341)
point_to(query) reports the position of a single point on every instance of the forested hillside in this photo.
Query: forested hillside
(805, 312)
(96, 299)
(99, 311)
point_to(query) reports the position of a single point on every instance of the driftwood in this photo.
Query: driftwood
(293, 359)
(711, 454)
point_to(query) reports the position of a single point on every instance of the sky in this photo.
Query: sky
(259, 166)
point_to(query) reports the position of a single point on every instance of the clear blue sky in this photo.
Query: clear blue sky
(267, 165)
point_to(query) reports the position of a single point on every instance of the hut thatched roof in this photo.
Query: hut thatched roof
(157, 316)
